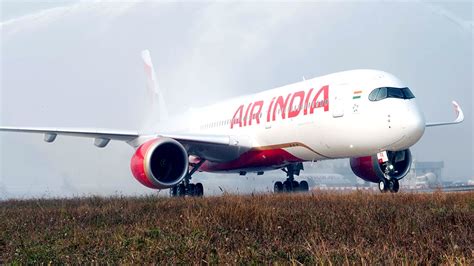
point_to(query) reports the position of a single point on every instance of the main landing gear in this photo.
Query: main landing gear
(387, 183)
(290, 184)
(186, 188)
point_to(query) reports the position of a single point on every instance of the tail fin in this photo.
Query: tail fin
(156, 110)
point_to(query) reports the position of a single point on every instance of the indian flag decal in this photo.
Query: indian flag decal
(356, 95)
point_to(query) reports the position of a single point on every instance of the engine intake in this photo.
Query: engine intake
(371, 169)
(160, 163)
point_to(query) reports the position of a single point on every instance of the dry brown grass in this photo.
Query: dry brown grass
(320, 228)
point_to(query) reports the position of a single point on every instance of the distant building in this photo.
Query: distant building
(331, 173)
(4, 194)
(327, 180)
(424, 174)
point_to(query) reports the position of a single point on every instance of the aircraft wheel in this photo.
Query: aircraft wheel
(278, 187)
(287, 186)
(395, 186)
(304, 186)
(199, 190)
(181, 190)
(383, 185)
(295, 186)
(191, 190)
(173, 191)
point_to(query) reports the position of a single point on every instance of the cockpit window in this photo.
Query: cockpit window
(373, 95)
(408, 94)
(382, 94)
(395, 93)
(390, 92)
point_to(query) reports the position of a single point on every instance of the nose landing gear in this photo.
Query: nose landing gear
(290, 184)
(387, 183)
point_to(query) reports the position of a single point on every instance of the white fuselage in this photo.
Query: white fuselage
(340, 122)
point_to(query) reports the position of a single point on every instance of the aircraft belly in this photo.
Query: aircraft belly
(255, 158)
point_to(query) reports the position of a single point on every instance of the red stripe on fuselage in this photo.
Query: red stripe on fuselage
(254, 158)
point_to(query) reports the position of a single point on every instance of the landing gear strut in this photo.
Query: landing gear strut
(186, 188)
(290, 184)
(387, 183)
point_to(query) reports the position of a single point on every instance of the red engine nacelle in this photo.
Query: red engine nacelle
(160, 163)
(370, 169)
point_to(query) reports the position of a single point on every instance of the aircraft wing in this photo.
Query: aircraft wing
(217, 148)
(195, 143)
(199, 138)
(101, 136)
(459, 117)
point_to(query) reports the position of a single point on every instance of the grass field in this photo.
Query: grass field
(315, 228)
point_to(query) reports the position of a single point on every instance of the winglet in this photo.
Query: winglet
(459, 117)
(459, 112)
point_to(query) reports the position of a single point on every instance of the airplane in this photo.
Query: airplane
(368, 116)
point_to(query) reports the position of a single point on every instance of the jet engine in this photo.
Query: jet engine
(371, 169)
(160, 163)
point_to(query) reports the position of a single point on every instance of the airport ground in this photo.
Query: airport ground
(358, 227)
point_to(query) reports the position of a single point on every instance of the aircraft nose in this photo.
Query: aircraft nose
(414, 124)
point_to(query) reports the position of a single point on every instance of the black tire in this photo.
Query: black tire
(199, 190)
(395, 186)
(295, 186)
(304, 187)
(192, 190)
(173, 191)
(278, 187)
(287, 186)
(383, 185)
(181, 190)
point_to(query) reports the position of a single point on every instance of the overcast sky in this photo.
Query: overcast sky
(77, 64)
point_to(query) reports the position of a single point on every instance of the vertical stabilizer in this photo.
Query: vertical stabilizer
(156, 110)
